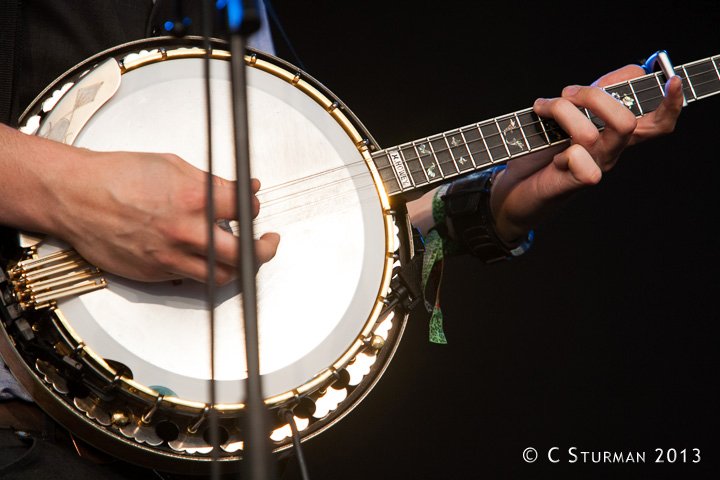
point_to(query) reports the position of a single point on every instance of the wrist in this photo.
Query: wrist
(38, 171)
(63, 180)
(510, 233)
(469, 219)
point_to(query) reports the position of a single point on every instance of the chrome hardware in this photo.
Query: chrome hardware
(661, 57)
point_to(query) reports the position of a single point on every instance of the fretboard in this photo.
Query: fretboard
(432, 160)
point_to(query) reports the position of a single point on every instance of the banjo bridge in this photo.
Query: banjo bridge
(40, 282)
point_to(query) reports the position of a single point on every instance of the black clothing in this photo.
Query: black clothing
(78, 29)
(75, 30)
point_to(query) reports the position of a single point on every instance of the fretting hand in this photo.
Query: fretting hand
(532, 187)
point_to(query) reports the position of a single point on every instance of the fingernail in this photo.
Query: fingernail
(540, 101)
(570, 91)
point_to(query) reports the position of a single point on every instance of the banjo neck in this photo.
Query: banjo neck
(421, 164)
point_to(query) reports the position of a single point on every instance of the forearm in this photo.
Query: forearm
(33, 169)
(420, 211)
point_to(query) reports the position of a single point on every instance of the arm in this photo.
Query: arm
(532, 187)
(139, 215)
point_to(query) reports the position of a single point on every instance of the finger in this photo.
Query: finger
(571, 169)
(224, 274)
(570, 119)
(196, 267)
(225, 204)
(531, 201)
(578, 169)
(266, 247)
(662, 121)
(619, 122)
(620, 75)
(226, 247)
(525, 166)
(671, 106)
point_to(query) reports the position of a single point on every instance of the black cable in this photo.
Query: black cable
(276, 21)
(151, 18)
(290, 418)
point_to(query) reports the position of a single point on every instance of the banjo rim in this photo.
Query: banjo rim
(364, 143)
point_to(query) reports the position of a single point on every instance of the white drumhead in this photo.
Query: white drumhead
(314, 297)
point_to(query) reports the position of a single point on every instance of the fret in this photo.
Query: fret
(417, 172)
(435, 165)
(476, 145)
(716, 66)
(636, 98)
(495, 146)
(704, 78)
(554, 132)
(445, 161)
(597, 121)
(717, 71)
(514, 143)
(449, 150)
(687, 90)
(387, 172)
(427, 160)
(461, 153)
(485, 143)
(519, 125)
(542, 125)
(648, 93)
(660, 83)
(628, 95)
(660, 77)
(533, 129)
(502, 138)
(689, 82)
(392, 186)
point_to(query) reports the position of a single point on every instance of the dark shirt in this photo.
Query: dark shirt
(56, 35)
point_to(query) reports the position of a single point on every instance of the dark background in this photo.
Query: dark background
(604, 336)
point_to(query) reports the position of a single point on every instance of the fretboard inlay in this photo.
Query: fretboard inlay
(427, 161)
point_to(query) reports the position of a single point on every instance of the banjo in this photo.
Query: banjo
(125, 364)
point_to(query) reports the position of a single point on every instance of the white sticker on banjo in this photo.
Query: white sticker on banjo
(400, 168)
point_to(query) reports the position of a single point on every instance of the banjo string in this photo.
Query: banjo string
(296, 194)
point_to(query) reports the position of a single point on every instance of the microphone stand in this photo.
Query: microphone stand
(243, 19)
(207, 13)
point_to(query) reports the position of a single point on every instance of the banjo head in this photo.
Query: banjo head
(325, 334)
